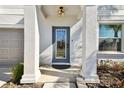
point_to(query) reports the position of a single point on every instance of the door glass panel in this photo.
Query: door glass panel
(61, 43)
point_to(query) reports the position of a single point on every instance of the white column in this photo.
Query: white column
(90, 44)
(31, 46)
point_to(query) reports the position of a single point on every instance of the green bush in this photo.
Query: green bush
(17, 73)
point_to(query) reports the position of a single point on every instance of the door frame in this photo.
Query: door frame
(54, 60)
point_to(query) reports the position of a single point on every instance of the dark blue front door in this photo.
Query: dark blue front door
(61, 44)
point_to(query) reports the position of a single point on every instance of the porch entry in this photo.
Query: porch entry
(61, 45)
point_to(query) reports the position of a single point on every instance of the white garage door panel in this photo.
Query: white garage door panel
(11, 46)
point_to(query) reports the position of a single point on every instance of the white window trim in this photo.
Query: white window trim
(111, 37)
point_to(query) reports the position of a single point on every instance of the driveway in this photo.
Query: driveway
(5, 74)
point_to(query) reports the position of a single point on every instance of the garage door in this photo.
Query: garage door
(11, 46)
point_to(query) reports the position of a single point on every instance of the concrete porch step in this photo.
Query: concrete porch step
(68, 72)
(53, 75)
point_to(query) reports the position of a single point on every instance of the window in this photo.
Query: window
(110, 37)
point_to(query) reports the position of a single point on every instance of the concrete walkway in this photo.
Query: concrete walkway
(5, 74)
(59, 85)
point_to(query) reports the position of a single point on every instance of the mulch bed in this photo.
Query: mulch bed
(109, 79)
(12, 85)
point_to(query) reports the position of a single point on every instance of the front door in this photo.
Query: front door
(61, 45)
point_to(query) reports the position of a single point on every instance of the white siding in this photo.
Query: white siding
(110, 12)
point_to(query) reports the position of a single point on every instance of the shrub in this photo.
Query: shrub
(17, 73)
(111, 65)
(122, 66)
(115, 67)
(118, 66)
(104, 67)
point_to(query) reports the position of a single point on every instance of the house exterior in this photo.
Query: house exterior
(60, 35)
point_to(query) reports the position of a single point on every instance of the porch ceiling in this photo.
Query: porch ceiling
(70, 10)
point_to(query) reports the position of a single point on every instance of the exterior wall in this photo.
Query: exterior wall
(76, 43)
(46, 37)
(111, 14)
(105, 14)
(11, 14)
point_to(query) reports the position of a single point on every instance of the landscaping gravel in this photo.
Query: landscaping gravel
(12, 85)
(109, 79)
